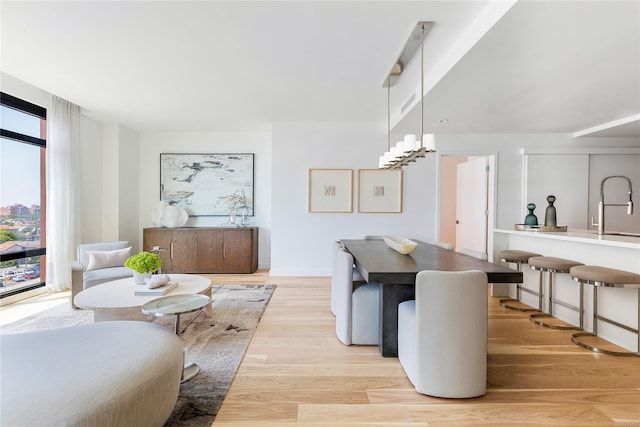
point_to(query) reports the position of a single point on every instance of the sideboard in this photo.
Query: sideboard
(205, 249)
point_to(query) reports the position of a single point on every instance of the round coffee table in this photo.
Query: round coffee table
(115, 300)
(175, 305)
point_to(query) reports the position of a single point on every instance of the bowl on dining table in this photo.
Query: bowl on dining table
(400, 244)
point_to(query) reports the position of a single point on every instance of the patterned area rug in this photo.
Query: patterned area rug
(216, 344)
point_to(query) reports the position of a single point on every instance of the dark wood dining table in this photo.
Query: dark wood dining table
(396, 273)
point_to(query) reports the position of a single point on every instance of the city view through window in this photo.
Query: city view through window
(21, 197)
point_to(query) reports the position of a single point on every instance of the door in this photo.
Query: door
(472, 204)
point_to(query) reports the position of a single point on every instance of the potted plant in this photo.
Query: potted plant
(143, 265)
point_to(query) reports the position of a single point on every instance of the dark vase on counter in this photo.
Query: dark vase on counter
(550, 213)
(531, 219)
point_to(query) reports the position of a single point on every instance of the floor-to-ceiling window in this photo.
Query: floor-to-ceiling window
(23, 143)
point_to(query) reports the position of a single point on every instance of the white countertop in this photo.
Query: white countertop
(582, 236)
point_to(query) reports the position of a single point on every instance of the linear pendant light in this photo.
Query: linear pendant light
(410, 148)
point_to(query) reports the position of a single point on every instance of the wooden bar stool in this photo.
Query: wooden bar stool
(517, 257)
(608, 277)
(552, 266)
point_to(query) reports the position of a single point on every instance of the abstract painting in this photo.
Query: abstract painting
(204, 184)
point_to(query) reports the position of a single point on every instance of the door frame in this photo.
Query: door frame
(492, 160)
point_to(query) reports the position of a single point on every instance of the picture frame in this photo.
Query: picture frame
(330, 191)
(204, 184)
(380, 190)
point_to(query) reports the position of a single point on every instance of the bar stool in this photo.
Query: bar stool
(517, 257)
(552, 266)
(608, 277)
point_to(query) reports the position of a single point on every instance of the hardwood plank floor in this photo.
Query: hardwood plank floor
(295, 371)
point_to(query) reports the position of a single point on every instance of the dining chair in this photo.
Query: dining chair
(442, 334)
(444, 245)
(357, 307)
(473, 253)
(357, 277)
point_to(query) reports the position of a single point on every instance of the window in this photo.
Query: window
(22, 196)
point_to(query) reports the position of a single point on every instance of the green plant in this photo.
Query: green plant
(143, 262)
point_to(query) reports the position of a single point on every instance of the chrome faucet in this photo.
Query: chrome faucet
(601, 204)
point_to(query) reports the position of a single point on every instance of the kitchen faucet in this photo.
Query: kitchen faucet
(601, 204)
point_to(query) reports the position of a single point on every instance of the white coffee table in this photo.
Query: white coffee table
(116, 300)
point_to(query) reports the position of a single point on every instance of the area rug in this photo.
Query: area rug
(216, 344)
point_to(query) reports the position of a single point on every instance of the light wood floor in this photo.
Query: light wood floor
(296, 371)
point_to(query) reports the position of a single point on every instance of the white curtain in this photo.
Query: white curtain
(63, 220)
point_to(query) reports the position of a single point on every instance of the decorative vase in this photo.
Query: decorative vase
(232, 216)
(550, 213)
(138, 278)
(244, 220)
(531, 219)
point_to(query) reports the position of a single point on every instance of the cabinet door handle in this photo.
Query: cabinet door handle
(224, 251)
(171, 250)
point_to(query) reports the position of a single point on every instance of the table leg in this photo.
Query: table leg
(189, 370)
(177, 324)
(390, 296)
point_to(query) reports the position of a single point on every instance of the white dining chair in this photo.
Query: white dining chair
(442, 334)
(357, 277)
(473, 253)
(357, 307)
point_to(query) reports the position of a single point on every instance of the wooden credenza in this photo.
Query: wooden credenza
(205, 249)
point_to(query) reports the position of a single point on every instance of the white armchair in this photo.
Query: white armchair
(357, 310)
(442, 334)
(98, 263)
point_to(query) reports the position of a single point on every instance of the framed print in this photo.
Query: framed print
(330, 190)
(205, 184)
(380, 190)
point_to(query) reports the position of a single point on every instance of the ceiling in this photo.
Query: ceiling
(490, 67)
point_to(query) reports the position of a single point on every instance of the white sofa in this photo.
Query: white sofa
(83, 276)
(102, 374)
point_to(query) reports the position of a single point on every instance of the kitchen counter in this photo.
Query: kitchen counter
(587, 247)
(581, 236)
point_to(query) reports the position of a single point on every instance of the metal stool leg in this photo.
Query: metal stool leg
(575, 337)
(534, 318)
(505, 303)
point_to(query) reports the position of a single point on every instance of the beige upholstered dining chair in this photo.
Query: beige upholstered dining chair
(357, 310)
(442, 334)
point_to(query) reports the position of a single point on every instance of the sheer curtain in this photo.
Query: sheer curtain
(63, 169)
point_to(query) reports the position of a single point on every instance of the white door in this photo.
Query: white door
(472, 204)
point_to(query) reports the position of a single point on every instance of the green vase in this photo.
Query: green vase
(531, 219)
(550, 213)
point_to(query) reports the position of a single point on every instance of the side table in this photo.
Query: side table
(175, 305)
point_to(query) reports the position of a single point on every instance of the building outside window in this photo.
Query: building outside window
(22, 198)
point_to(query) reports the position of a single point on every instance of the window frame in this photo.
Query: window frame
(27, 107)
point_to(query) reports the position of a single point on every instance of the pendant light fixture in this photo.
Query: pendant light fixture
(410, 148)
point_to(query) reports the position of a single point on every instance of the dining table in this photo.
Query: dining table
(396, 274)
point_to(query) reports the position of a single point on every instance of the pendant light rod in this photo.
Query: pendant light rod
(389, 114)
(422, 84)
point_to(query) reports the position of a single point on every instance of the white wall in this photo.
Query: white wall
(259, 143)
(292, 241)
(301, 241)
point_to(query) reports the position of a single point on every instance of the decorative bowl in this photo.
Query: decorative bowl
(400, 244)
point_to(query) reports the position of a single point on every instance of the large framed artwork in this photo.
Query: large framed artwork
(380, 190)
(331, 190)
(206, 184)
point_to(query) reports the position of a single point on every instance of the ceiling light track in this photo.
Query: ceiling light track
(409, 149)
